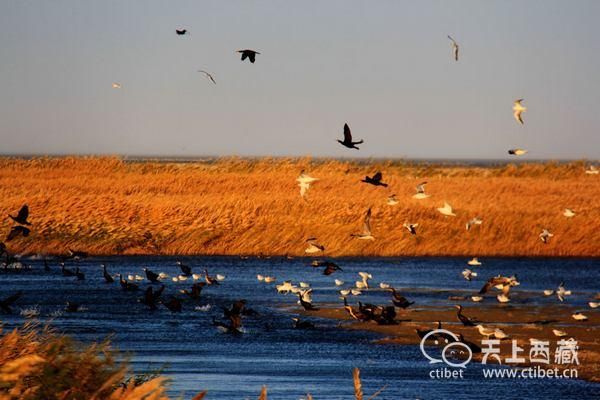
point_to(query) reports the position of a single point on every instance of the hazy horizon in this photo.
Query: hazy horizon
(385, 68)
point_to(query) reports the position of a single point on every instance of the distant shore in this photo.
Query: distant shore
(236, 206)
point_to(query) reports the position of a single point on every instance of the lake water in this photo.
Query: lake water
(197, 356)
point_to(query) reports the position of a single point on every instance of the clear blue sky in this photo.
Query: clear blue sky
(385, 67)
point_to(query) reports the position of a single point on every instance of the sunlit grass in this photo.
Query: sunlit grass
(239, 206)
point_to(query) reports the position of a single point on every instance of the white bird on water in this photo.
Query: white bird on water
(559, 333)
(594, 304)
(304, 182)
(518, 109)
(474, 262)
(384, 285)
(569, 213)
(338, 282)
(447, 210)
(260, 278)
(420, 191)
(579, 317)
(476, 299)
(548, 292)
(270, 279)
(502, 298)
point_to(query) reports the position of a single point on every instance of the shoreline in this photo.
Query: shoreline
(586, 333)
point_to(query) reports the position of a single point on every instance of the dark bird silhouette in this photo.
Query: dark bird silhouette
(307, 305)
(149, 298)
(330, 267)
(187, 271)
(66, 271)
(234, 315)
(475, 348)
(80, 275)
(375, 180)
(466, 321)
(249, 54)
(424, 332)
(152, 276)
(209, 279)
(399, 300)
(354, 313)
(72, 307)
(21, 217)
(387, 316)
(127, 286)
(46, 266)
(347, 142)
(298, 324)
(9, 301)
(17, 230)
(181, 32)
(196, 290)
(107, 277)
(174, 304)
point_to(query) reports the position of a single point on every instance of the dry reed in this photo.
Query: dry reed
(237, 206)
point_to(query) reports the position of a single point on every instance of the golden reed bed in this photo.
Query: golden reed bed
(236, 206)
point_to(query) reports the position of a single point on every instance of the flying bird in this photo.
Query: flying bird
(313, 246)
(468, 274)
(447, 210)
(518, 109)
(411, 227)
(569, 213)
(420, 188)
(347, 142)
(249, 54)
(375, 180)
(474, 261)
(545, 235)
(517, 152)
(366, 233)
(454, 48)
(304, 182)
(116, 85)
(181, 32)
(474, 221)
(209, 76)
(22, 216)
(391, 200)
(17, 230)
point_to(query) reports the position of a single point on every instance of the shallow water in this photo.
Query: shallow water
(291, 362)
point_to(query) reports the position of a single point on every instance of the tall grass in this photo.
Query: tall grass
(238, 206)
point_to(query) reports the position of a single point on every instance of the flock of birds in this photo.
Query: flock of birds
(231, 321)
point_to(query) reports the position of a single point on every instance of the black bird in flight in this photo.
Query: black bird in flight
(249, 54)
(7, 302)
(21, 217)
(181, 32)
(375, 180)
(16, 231)
(347, 142)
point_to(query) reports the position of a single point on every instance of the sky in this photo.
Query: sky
(383, 67)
